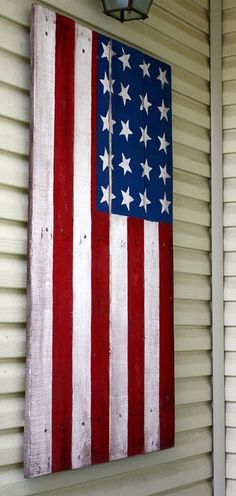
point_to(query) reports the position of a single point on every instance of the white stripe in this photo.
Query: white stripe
(151, 360)
(81, 414)
(118, 338)
(38, 428)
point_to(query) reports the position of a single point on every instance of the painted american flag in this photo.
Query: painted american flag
(100, 381)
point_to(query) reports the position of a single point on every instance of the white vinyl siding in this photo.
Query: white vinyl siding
(229, 147)
(178, 33)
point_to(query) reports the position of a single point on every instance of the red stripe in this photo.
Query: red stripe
(167, 411)
(63, 245)
(100, 303)
(135, 336)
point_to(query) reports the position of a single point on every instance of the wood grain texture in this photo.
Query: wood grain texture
(39, 372)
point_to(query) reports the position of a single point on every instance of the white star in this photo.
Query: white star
(146, 169)
(145, 68)
(144, 200)
(163, 143)
(106, 195)
(162, 77)
(124, 93)
(107, 85)
(127, 199)
(164, 174)
(125, 59)
(125, 131)
(165, 204)
(145, 138)
(163, 111)
(106, 162)
(125, 164)
(107, 51)
(144, 103)
(107, 122)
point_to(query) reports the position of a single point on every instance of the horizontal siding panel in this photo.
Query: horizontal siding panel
(193, 416)
(231, 466)
(229, 48)
(229, 117)
(191, 13)
(229, 97)
(12, 342)
(11, 448)
(192, 339)
(229, 20)
(230, 389)
(231, 414)
(14, 38)
(191, 185)
(11, 412)
(192, 364)
(193, 135)
(14, 103)
(229, 190)
(192, 287)
(229, 238)
(194, 161)
(189, 209)
(202, 489)
(230, 164)
(230, 338)
(12, 377)
(229, 214)
(229, 4)
(229, 144)
(230, 313)
(230, 264)
(13, 272)
(229, 289)
(12, 306)
(13, 238)
(230, 363)
(14, 137)
(193, 390)
(190, 312)
(230, 440)
(15, 71)
(186, 108)
(13, 170)
(13, 204)
(166, 478)
(190, 85)
(230, 488)
(191, 261)
(187, 235)
(177, 29)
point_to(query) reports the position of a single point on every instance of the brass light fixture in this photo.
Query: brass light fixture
(127, 10)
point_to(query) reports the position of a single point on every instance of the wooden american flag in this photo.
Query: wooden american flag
(100, 382)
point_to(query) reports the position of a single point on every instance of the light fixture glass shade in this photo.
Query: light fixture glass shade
(127, 10)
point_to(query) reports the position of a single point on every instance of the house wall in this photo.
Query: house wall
(177, 32)
(229, 149)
